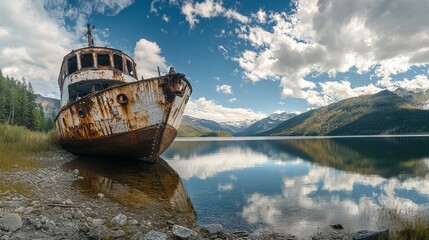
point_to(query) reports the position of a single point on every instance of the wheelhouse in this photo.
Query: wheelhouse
(88, 70)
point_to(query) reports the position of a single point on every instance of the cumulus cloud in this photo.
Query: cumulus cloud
(208, 109)
(38, 58)
(226, 89)
(148, 57)
(209, 9)
(335, 36)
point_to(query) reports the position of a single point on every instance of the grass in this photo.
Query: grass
(407, 225)
(18, 146)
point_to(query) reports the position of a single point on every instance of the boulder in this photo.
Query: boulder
(183, 233)
(11, 222)
(209, 230)
(370, 235)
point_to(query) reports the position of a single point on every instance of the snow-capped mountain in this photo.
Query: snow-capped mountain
(267, 123)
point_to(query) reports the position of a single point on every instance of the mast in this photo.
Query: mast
(89, 35)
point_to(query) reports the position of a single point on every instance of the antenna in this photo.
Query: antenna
(89, 35)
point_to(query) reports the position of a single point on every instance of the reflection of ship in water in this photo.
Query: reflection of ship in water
(152, 189)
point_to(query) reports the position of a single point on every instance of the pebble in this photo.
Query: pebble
(76, 172)
(154, 235)
(120, 219)
(68, 202)
(100, 195)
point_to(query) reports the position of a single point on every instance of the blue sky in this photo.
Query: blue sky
(245, 59)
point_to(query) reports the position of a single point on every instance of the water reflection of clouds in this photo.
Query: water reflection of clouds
(310, 192)
(328, 196)
(227, 159)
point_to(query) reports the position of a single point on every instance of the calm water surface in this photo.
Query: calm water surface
(299, 184)
(292, 185)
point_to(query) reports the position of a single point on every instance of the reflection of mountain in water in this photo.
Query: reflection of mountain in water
(387, 157)
(154, 189)
(384, 156)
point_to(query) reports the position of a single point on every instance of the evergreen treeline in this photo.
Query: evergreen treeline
(18, 105)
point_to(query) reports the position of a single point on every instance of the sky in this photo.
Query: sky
(245, 59)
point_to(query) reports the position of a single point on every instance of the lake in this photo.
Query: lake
(280, 184)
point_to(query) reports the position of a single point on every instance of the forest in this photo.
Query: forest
(18, 105)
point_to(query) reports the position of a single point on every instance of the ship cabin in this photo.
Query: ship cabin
(88, 70)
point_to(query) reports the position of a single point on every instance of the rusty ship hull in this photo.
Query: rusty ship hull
(107, 111)
(137, 120)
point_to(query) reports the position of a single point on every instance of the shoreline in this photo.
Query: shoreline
(50, 207)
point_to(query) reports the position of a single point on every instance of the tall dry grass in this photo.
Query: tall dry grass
(19, 146)
(407, 225)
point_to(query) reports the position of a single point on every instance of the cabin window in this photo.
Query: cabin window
(117, 59)
(86, 60)
(72, 64)
(103, 59)
(130, 68)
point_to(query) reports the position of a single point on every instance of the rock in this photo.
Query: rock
(137, 236)
(118, 234)
(78, 215)
(133, 222)
(183, 232)
(153, 235)
(83, 227)
(97, 221)
(50, 225)
(68, 202)
(370, 235)
(76, 172)
(20, 210)
(10, 222)
(209, 230)
(99, 232)
(44, 219)
(56, 201)
(120, 219)
(100, 195)
(337, 226)
(67, 215)
(29, 210)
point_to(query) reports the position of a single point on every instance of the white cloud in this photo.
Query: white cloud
(336, 91)
(37, 58)
(419, 82)
(208, 165)
(226, 89)
(335, 36)
(148, 57)
(209, 9)
(165, 18)
(260, 16)
(225, 187)
(231, 100)
(208, 109)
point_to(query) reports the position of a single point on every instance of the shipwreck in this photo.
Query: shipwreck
(107, 111)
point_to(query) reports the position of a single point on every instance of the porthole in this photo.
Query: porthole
(122, 98)
(81, 113)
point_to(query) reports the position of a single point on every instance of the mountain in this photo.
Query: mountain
(386, 112)
(196, 127)
(266, 124)
(51, 106)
